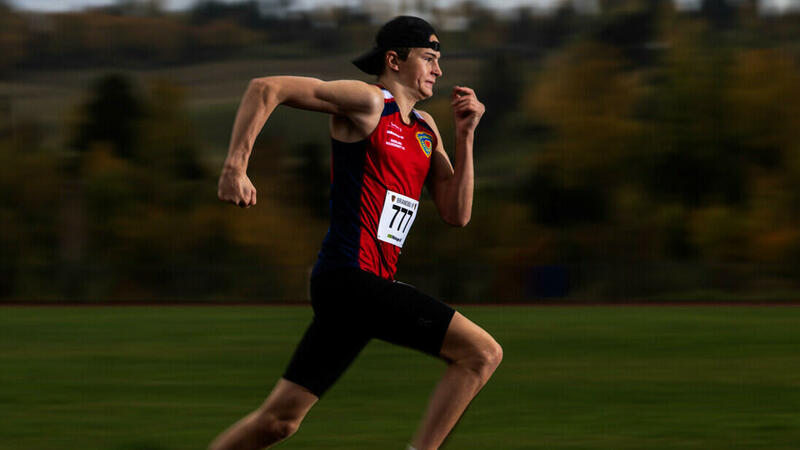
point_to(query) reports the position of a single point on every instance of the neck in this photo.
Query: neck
(404, 97)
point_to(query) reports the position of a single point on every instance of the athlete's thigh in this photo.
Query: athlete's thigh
(326, 350)
(408, 317)
(464, 338)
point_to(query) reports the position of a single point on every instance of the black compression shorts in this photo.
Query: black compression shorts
(351, 307)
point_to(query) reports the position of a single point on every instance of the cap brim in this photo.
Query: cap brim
(370, 62)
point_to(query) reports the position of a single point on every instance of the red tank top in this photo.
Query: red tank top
(375, 189)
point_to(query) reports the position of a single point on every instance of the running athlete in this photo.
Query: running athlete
(384, 150)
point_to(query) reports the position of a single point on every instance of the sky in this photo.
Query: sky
(65, 5)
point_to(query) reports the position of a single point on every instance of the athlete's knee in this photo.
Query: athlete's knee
(483, 360)
(492, 356)
(273, 427)
(282, 429)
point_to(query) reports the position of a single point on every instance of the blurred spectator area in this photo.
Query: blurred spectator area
(631, 150)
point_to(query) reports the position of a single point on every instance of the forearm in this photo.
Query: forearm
(258, 102)
(462, 183)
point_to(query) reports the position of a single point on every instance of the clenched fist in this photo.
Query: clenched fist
(235, 187)
(466, 109)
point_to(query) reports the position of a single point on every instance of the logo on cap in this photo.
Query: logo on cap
(426, 142)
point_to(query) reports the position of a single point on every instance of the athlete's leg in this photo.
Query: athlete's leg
(472, 356)
(323, 354)
(276, 419)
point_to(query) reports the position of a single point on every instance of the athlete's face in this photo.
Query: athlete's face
(421, 69)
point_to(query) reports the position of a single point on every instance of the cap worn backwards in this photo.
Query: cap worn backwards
(400, 32)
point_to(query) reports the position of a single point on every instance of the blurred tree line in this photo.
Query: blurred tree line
(640, 152)
(133, 33)
(129, 210)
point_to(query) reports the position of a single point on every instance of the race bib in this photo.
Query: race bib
(396, 218)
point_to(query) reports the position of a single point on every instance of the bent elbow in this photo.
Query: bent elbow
(257, 85)
(457, 221)
(263, 88)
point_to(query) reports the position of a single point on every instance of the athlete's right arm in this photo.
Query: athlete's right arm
(353, 99)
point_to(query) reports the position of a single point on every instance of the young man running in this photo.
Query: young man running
(383, 153)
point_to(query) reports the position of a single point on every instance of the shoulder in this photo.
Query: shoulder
(354, 93)
(428, 119)
(359, 106)
(364, 89)
(425, 116)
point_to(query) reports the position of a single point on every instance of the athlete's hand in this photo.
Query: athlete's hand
(466, 109)
(235, 187)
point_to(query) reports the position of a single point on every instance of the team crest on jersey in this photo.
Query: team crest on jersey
(426, 142)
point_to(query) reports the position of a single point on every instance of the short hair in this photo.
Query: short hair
(402, 53)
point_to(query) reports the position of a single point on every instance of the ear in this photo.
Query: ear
(392, 60)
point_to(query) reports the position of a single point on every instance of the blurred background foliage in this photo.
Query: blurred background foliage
(630, 150)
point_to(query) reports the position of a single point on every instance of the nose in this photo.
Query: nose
(437, 70)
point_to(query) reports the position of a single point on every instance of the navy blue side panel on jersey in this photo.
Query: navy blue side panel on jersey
(341, 245)
(390, 108)
(425, 124)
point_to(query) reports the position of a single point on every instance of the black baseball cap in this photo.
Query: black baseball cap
(400, 32)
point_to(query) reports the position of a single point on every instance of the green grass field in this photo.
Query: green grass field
(154, 378)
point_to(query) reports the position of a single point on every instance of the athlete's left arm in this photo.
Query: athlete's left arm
(451, 185)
